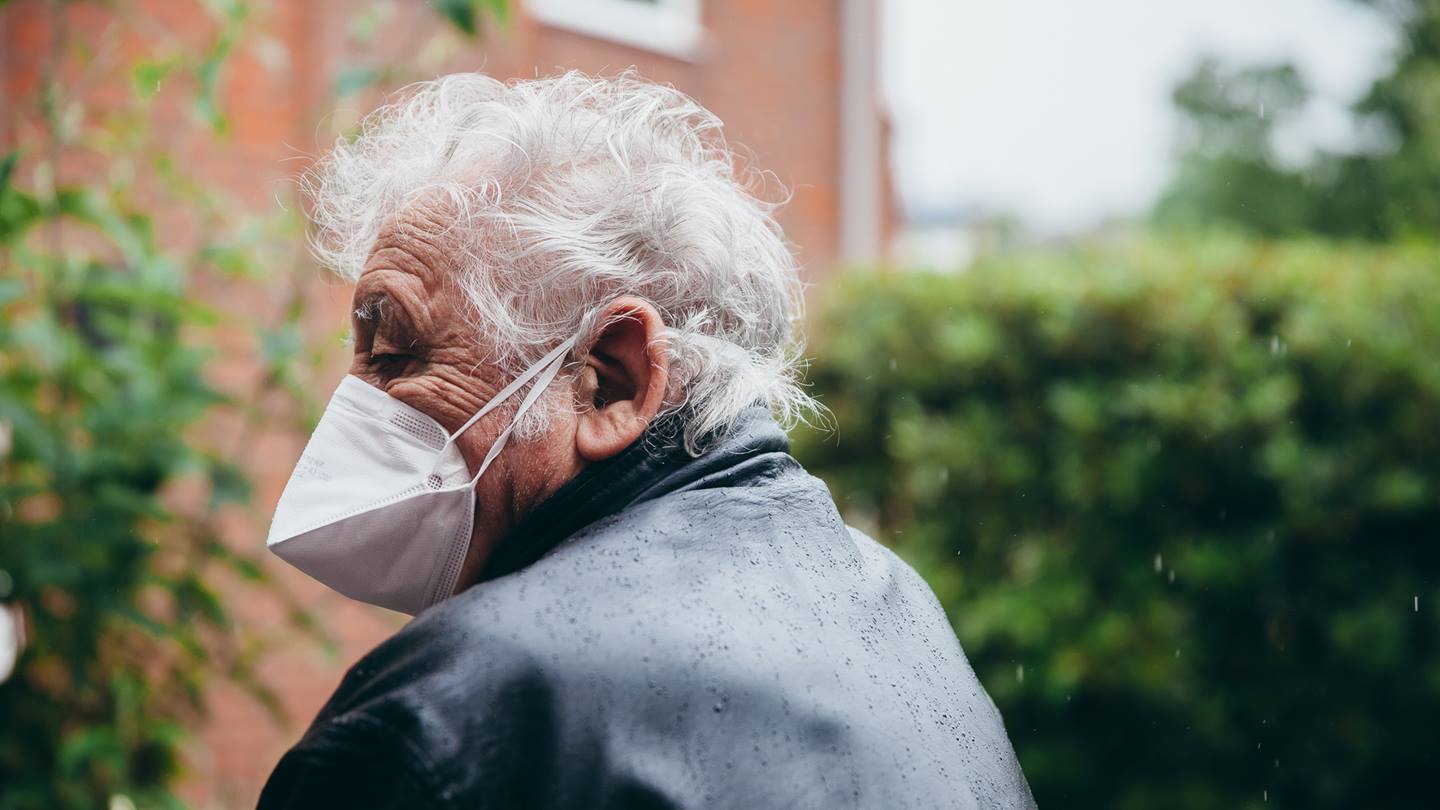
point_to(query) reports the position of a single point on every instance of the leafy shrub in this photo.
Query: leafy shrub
(119, 459)
(97, 388)
(1180, 500)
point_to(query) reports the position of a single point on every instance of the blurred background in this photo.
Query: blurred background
(1127, 312)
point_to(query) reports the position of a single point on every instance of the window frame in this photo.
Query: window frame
(670, 27)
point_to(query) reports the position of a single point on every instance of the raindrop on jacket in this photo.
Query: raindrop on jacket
(669, 632)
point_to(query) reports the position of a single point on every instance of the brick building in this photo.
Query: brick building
(794, 81)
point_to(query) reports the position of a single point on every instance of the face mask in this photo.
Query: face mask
(381, 505)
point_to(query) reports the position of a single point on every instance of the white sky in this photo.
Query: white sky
(1059, 110)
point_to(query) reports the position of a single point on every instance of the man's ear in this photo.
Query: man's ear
(622, 386)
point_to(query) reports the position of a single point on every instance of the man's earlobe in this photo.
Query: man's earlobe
(625, 379)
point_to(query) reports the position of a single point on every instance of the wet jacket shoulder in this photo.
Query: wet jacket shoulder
(669, 632)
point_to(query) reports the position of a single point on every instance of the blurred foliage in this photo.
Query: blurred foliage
(1404, 106)
(1180, 501)
(110, 508)
(468, 15)
(1232, 174)
(110, 512)
(120, 458)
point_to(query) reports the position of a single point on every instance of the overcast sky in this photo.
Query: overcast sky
(1059, 110)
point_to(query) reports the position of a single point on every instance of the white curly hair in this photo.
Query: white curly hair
(571, 191)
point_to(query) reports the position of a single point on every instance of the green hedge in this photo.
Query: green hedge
(1180, 499)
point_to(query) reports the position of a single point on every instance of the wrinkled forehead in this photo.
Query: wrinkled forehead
(416, 249)
(409, 281)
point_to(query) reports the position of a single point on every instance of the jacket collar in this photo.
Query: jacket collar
(655, 465)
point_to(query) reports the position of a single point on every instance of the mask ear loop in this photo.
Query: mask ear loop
(546, 369)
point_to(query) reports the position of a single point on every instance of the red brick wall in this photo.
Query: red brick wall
(772, 75)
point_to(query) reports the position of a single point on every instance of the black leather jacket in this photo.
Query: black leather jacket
(669, 632)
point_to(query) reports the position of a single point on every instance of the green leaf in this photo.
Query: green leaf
(465, 15)
(228, 484)
(207, 109)
(207, 75)
(18, 210)
(17, 213)
(7, 166)
(147, 77)
(500, 9)
(354, 80)
(149, 625)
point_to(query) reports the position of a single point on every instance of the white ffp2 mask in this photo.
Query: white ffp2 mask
(381, 504)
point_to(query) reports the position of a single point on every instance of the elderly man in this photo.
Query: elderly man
(558, 447)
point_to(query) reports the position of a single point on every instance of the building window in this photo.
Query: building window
(671, 27)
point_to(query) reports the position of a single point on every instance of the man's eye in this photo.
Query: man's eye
(390, 360)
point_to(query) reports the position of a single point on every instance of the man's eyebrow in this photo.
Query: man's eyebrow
(372, 307)
(384, 314)
(374, 303)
